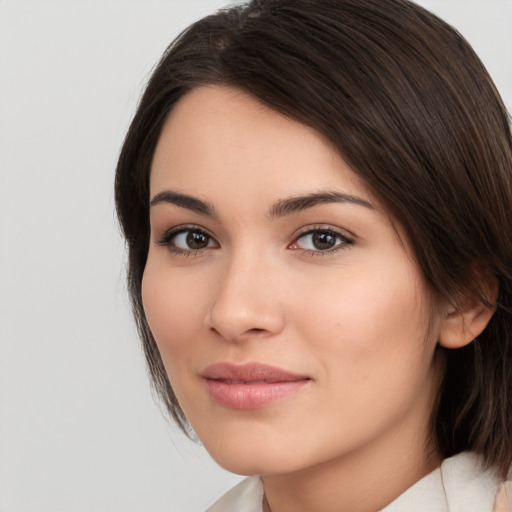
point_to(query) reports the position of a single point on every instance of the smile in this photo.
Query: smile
(250, 386)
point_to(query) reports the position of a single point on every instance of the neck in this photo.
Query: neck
(357, 482)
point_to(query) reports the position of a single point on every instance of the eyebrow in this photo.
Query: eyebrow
(184, 201)
(285, 207)
(280, 208)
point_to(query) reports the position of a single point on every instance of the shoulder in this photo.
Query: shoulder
(460, 484)
(247, 496)
(468, 485)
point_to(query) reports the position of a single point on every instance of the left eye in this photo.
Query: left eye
(320, 240)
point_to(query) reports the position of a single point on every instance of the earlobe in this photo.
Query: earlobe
(462, 325)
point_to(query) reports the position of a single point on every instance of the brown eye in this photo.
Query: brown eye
(321, 240)
(196, 240)
(187, 240)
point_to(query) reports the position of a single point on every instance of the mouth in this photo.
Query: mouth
(250, 386)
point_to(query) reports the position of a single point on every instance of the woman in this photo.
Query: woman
(316, 197)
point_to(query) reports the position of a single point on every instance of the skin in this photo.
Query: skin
(359, 321)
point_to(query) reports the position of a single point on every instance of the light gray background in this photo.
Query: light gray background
(79, 431)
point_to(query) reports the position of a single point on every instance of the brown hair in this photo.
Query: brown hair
(413, 111)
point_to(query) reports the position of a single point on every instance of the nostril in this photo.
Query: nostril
(233, 320)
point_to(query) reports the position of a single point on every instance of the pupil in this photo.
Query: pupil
(323, 240)
(197, 240)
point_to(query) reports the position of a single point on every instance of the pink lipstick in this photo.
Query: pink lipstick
(250, 386)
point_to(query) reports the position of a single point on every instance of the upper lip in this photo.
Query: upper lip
(249, 372)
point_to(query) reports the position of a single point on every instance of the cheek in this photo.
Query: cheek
(172, 308)
(369, 322)
(369, 338)
(174, 312)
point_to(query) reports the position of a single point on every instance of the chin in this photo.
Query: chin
(249, 457)
(249, 465)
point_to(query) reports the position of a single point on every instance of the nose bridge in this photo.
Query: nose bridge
(245, 301)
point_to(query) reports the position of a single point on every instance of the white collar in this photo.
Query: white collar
(460, 484)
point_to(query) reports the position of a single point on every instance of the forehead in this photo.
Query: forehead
(220, 140)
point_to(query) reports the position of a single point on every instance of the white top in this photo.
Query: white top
(458, 485)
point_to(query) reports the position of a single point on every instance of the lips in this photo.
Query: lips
(250, 386)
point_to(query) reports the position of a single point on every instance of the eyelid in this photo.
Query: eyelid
(171, 233)
(347, 239)
(165, 239)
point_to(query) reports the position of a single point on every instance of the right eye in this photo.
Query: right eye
(187, 240)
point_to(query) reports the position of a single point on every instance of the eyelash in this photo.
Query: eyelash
(169, 236)
(345, 241)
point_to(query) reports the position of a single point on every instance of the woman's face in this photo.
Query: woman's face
(292, 318)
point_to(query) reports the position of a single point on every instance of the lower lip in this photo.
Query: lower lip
(252, 395)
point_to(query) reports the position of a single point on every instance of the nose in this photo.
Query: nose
(246, 302)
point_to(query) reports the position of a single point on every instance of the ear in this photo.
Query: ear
(466, 320)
